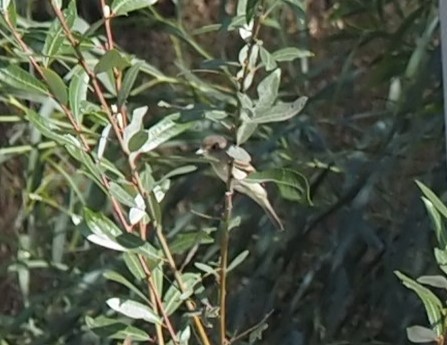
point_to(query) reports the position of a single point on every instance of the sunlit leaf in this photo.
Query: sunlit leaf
(163, 131)
(434, 281)
(267, 59)
(268, 89)
(174, 297)
(121, 194)
(106, 242)
(437, 203)
(134, 310)
(101, 225)
(290, 54)
(238, 260)
(114, 329)
(18, 78)
(419, 334)
(279, 112)
(122, 7)
(432, 304)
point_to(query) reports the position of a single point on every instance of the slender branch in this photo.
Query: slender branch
(171, 262)
(158, 302)
(135, 176)
(225, 240)
(110, 45)
(95, 83)
(251, 329)
(77, 127)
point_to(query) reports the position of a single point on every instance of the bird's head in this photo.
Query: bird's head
(212, 144)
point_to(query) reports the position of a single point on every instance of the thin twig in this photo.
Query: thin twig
(116, 206)
(224, 244)
(68, 113)
(135, 176)
(251, 329)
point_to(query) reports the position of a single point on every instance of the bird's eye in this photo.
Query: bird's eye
(215, 146)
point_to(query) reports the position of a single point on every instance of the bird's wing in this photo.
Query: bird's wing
(242, 169)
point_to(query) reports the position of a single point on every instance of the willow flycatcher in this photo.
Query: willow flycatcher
(215, 148)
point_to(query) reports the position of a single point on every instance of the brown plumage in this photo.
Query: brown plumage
(214, 147)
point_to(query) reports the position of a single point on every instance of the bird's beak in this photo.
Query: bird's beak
(200, 151)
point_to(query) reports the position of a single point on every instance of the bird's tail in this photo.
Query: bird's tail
(267, 207)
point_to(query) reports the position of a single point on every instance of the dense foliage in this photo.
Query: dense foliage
(113, 231)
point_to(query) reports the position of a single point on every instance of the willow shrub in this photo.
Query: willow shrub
(102, 166)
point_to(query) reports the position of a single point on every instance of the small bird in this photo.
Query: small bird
(215, 148)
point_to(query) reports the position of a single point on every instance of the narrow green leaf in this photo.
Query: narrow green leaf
(154, 208)
(250, 10)
(437, 203)
(268, 89)
(135, 125)
(157, 275)
(134, 310)
(290, 54)
(100, 224)
(179, 171)
(116, 277)
(121, 194)
(419, 54)
(137, 141)
(163, 131)
(105, 241)
(206, 268)
(47, 127)
(77, 92)
(238, 260)
(432, 304)
(138, 246)
(128, 82)
(437, 281)
(279, 112)
(438, 224)
(111, 59)
(4, 5)
(9, 7)
(123, 7)
(87, 162)
(174, 297)
(245, 131)
(441, 259)
(267, 59)
(134, 265)
(419, 334)
(113, 329)
(56, 85)
(183, 242)
(285, 178)
(56, 36)
(18, 78)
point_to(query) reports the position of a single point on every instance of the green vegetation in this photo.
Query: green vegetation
(112, 229)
